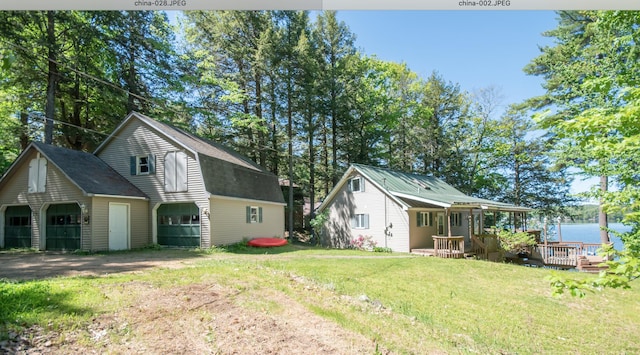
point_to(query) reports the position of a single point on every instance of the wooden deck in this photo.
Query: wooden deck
(567, 255)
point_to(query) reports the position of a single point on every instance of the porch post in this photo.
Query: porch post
(495, 221)
(448, 221)
(471, 229)
(511, 222)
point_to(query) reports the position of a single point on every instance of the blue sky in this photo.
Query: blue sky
(473, 48)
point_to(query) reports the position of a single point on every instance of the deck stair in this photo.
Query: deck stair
(591, 264)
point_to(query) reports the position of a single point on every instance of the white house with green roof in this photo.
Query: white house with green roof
(403, 211)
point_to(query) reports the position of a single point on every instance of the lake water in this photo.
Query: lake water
(587, 233)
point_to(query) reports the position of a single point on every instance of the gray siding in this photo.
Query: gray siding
(136, 138)
(381, 210)
(229, 220)
(58, 190)
(139, 220)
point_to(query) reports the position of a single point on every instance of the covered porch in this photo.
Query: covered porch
(463, 229)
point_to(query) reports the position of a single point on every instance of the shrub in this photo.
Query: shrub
(363, 242)
(515, 242)
(382, 250)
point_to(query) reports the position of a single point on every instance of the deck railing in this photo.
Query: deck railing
(478, 247)
(583, 249)
(484, 244)
(557, 254)
(448, 247)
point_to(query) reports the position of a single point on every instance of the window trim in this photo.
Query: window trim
(456, 219)
(250, 214)
(360, 180)
(424, 219)
(139, 165)
(360, 221)
(136, 164)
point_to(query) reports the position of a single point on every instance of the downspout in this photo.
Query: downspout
(386, 219)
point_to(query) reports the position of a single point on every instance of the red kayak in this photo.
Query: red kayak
(267, 242)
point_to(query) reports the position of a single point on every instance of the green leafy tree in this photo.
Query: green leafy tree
(597, 129)
(532, 179)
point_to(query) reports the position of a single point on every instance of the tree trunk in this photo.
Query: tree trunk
(24, 130)
(52, 78)
(262, 140)
(602, 215)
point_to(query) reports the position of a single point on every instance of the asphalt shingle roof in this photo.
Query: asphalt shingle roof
(224, 171)
(88, 172)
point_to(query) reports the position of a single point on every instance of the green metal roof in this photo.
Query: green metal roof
(415, 190)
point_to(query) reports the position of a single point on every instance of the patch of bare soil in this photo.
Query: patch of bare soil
(202, 319)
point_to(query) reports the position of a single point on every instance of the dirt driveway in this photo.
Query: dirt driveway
(202, 318)
(30, 266)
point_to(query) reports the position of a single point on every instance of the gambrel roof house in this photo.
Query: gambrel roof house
(148, 182)
(401, 211)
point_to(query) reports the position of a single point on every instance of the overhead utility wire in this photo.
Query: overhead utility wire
(102, 81)
(95, 78)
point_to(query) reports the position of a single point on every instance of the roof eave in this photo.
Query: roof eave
(421, 199)
(118, 196)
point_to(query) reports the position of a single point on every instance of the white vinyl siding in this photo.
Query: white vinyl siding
(37, 175)
(175, 172)
(384, 214)
(360, 221)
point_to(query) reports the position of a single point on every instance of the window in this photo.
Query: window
(37, 175)
(143, 164)
(175, 172)
(360, 221)
(456, 219)
(424, 219)
(254, 214)
(356, 184)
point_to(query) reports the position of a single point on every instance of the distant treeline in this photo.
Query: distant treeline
(588, 214)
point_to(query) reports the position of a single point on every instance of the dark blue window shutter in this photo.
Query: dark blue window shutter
(260, 214)
(152, 163)
(419, 219)
(361, 184)
(430, 219)
(248, 214)
(353, 222)
(134, 167)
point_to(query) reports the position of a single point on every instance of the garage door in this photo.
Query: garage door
(179, 225)
(63, 227)
(17, 227)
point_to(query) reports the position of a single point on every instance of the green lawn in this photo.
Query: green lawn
(412, 304)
